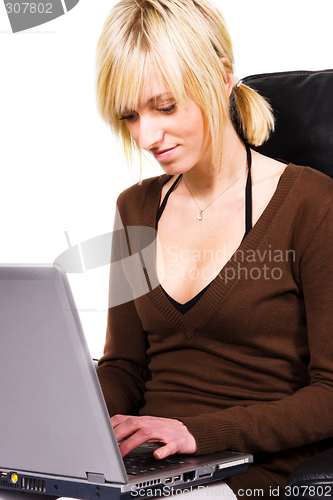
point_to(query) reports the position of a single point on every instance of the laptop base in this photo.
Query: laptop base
(50, 489)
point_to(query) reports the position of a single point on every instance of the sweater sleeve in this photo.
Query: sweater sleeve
(123, 369)
(306, 416)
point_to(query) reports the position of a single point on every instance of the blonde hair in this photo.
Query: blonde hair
(188, 42)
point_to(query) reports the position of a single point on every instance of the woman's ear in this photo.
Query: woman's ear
(229, 77)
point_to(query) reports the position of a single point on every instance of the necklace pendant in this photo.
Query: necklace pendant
(199, 217)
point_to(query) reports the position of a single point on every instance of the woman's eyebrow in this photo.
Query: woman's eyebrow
(165, 95)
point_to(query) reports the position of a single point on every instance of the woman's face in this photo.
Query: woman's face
(176, 136)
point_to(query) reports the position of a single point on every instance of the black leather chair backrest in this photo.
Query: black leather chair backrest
(302, 102)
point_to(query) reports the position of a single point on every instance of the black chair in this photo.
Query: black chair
(303, 108)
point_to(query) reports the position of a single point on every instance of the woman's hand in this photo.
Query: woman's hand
(138, 430)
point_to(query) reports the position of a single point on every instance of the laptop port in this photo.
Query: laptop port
(177, 478)
(189, 476)
(168, 480)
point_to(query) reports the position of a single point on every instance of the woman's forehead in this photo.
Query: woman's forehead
(153, 89)
(147, 85)
(153, 86)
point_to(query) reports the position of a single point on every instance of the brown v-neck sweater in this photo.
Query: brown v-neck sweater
(250, 366)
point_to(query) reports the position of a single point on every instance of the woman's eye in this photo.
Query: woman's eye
(129, 118)
(133, 116)
(168, 109)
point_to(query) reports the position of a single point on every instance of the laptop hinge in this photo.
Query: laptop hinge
(95, 478)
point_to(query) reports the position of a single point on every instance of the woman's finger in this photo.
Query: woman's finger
(129, 426)
(118, 419)
(136, 439)
(170, 448)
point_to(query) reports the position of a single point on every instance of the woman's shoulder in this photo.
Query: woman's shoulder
(310, 199)
(311, 184)
(132, 199)
(307, 180)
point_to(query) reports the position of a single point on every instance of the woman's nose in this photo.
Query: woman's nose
(150, 133)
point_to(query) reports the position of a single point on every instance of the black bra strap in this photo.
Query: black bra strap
(183, 308)
(248, 193)
(164, 202)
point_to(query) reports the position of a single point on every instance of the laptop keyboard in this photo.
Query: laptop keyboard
(140, 464)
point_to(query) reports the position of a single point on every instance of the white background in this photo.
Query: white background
(60, 167)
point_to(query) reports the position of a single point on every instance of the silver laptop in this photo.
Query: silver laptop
(55, 432)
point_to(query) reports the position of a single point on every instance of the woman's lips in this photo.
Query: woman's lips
(164, 154)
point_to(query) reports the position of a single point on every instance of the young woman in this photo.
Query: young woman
(232, 350)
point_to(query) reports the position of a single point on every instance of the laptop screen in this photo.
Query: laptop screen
(53, 418)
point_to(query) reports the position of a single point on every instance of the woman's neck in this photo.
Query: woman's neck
(206, 181)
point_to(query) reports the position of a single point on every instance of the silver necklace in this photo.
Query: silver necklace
(201, 211)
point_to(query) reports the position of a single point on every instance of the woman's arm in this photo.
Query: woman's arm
(123, 369)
